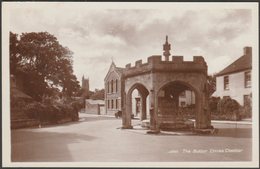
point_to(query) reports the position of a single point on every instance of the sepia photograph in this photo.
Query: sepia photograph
(130, 84)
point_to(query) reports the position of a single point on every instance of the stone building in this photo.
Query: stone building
(186, 98)
(160, 83)
(235, 80)
(113, 89)
(85, 87)
(94, 106)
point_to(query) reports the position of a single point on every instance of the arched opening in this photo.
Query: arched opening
(112, 86)
(137, 103)
(177, 104)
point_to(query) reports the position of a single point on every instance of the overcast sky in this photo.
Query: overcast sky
(96, 36)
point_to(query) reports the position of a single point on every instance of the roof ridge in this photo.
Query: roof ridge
(242, 63)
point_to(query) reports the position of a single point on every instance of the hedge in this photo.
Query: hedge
(53, 113)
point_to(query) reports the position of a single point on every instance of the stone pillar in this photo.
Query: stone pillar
(206, 111)
(123, 102)
(143, 107)
(198, 109)
(203, 119)
(156, 119)
(154, 122)
(98, 109)
(151, 110)
(127, 111)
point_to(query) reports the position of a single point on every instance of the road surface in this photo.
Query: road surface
(100, 139)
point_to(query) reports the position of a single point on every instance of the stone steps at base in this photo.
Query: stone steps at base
(145, 123)
(176, 125)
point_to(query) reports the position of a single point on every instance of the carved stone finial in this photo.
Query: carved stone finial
(166, 48)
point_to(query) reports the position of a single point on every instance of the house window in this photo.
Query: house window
(182, 104)
(226, 83)
(116, 85)
(108, 104)
(116, 104)
(183, 94)
(112, 86)
(112, 104)
(248, 79)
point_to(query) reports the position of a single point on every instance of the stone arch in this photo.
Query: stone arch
(185, 83)
(177, 86)
(155, 74)
(142, 89)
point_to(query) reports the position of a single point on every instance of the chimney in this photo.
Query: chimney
(248, 50)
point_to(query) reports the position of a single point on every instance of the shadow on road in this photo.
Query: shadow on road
(43, 146)
(81, 120)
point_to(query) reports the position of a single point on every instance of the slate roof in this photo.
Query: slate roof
(119, 70)
(242, 63)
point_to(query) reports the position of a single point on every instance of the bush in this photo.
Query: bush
(34, 110)
(52, 112)
(229, 109)
(213, 104)
(187, 112)
(77, 106)
(246, 110)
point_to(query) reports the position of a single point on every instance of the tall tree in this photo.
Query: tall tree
(212, 84)
(46, 63)
(15, 57)
(98, 94)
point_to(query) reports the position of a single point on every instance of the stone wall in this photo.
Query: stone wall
(115, 95)
(156, 64)
(155, 74)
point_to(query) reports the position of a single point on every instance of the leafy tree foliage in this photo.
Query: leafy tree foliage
(211, 84)
(98, 95)
(14, 53)
(213, 104)
(229, 107)
(43, 63)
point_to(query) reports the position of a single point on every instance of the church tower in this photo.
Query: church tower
(85, 87)
(166, 48)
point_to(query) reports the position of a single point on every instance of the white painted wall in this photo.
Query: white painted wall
(188, 99)
(237, 88)
(134, 95)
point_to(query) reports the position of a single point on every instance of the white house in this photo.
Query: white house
(235, 79)
(187, 98)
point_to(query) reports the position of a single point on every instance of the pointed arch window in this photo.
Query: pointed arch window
(107, 87)
(116, 85)
(116, 103)
(112, 86)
